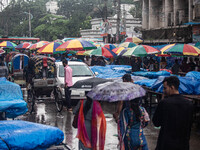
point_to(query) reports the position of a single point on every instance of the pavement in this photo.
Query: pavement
(46, 113)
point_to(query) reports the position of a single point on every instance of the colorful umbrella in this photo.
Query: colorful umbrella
(8, 44)
(80, 52)
(109, 46)
(87, 53)
(162, 50)
(102, 51)
(76, 45)
(127, 44)
(134, 40)
(123, 51)
(49, 48)
(23, 45)
(67, 39)
(141, 50)
(183, 49)
(37, 45)
(119, 49)
(116, 91)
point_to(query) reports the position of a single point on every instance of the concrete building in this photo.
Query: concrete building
(166, 21)
(106, 31)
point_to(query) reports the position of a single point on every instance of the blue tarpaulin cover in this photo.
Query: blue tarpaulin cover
(151, 74)
(111, 71)
(188, 85)
(11, 99)
(146, 82)
(193, 74)
(27, 135)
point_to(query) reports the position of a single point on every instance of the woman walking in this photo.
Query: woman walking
(131, 123)
(91, 125)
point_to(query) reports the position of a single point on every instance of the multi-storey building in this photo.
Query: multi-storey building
(166, 21)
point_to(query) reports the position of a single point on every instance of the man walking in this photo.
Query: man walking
(68, 84)
(174, 115)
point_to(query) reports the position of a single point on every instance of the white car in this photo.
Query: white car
(80, 71)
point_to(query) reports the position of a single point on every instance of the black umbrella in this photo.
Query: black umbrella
(89, 83)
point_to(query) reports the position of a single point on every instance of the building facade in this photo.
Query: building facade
(106, 31)
(166, 21)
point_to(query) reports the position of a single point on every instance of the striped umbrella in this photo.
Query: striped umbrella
(76, 45)
(183, 49)
(134, 40)
(127, 44)
(23, 45)
(8, 44)
(37, 45)
(102, 51)
(141, 50)
(109, 46)
(119, 49)
(49, 48)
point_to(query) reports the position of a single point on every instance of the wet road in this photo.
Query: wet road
(46, 113)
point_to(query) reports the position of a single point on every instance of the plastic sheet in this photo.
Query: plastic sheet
(193, 74)
(27, 135)
(151, 74)
(11, 99)
(187, 85)
(146, 82)
(111, 71)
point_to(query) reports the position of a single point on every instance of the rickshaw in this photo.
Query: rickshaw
(42, 81)
(17, 67)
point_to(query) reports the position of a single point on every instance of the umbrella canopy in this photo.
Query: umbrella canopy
(102, 51)
(23, 45)
(119, 49)
(76, 45)
(49, 48)
(8, 44)
(87, 53)
(67, 39)
(183, 49)
(135, 40)
(37, 45)
(141, 50)
(109, 46)
(116, 91)
(89, 83)
(127, 44)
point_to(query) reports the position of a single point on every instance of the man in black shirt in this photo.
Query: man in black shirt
(174, 115)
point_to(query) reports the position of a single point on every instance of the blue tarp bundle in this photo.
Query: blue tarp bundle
(27, 135)
(146, 82)
(151, 74)
(194, 75)
(187, 85)
(111, 71)
(11, 99)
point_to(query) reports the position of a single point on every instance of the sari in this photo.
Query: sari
(98, 128)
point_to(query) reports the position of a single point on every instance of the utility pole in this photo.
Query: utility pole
(29, 18)
(118, 21)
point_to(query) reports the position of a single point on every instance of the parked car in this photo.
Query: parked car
(80, 70)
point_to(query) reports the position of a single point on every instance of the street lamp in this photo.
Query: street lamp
(30, 16)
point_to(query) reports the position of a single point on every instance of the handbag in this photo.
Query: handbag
(75, 121)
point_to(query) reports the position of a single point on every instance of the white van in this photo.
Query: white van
(80, 70)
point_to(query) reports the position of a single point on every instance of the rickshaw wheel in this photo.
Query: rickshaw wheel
(30, 101)
(58, 100)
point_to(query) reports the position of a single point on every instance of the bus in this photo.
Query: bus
(19, 40)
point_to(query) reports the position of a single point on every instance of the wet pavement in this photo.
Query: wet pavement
(46, 113)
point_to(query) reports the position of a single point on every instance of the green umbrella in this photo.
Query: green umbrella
(141, 50)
